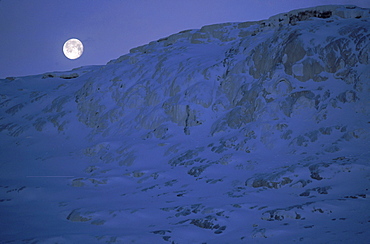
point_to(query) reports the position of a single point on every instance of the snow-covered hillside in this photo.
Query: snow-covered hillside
(254, 132)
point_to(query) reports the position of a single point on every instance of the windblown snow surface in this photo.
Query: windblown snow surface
(254, 132)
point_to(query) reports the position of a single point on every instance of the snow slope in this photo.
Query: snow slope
(254, 132)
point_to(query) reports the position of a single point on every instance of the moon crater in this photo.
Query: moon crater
(73, 48)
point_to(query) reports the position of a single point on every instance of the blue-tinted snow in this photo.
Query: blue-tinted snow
(233, 133)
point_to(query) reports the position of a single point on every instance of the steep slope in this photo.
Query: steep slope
(234, 133)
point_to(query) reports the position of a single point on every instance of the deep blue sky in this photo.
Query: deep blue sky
(32, 32)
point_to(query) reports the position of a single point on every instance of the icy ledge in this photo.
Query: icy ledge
(226, 32)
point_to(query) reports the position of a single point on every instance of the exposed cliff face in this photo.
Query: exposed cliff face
(310, 63)
(209, 124)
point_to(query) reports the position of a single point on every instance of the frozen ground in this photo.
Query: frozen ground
(253, 132)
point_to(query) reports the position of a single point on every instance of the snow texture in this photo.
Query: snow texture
(254, 132)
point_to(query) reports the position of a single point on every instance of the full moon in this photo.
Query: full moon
(73, 48)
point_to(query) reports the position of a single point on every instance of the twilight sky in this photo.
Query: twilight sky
(32, 32)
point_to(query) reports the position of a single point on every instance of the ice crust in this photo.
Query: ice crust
(254, 132)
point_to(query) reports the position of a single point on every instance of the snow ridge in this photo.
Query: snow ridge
(237, 132)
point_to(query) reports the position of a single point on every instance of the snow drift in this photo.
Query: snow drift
(253, 132)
